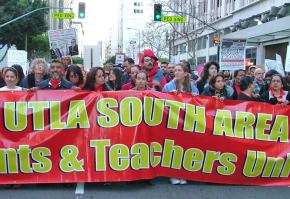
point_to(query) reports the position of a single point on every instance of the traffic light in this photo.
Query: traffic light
(82, 10)
(157, 12)
(216, 40)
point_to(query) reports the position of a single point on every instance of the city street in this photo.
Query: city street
(160, 189)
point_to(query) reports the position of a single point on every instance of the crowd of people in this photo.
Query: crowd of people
(252, 84)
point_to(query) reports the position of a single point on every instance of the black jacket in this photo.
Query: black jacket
(208, 91)
(64, 84)
(245, 97)
(29, 81)
(266, 97)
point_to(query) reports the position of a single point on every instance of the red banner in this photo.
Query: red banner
(68, 136)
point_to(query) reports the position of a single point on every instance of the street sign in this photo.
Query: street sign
(174, 19)
(63, 15)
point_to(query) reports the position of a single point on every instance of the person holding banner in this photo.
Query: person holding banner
(75, 76)
(142, 79)
(181, 83)
(218, 88)
(115, 76)
(238, 74)
(210, 69)
(276, 93)
(11, 79)
(37, 73)
(247, 89)
(95, 80)
(56, 80)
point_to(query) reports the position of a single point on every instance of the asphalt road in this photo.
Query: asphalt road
(160, 189)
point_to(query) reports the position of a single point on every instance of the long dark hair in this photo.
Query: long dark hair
(187, 82)
(213, 79)
(20, 73)
(205, 71)
(117, 85)
(91, 79)
(76, 71)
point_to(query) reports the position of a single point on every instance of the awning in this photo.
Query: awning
(273, 30)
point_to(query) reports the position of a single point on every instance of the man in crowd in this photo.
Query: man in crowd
(128, 63)
(164, 67)
(73, 49)
(149, 63)
(170, 75)
(56, 80)
(259, 80)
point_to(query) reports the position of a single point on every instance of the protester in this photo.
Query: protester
(251, 71)
(38, 72)
(127, 64)
(218, 88)
(247, 89)
(267, 81)
(150, 65)
(210, 69)
(258, 81)
(276, 94)
(11, 79)
(141, 81)
(66, 61)
(164, 68)
(20, 73)
(170, 75)
(132, 83)
(115, 76)
(181, 83)
(73, 48)
(96, 80)
(56, 80)
(75, 76)
(238, 74)
(227, 77)
(81, 66)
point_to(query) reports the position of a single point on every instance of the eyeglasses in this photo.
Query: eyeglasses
(148, 60)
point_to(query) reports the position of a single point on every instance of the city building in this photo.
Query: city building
(59, 6)
(263, 23)
(133, 16)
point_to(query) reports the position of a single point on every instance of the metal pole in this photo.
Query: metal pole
(139, 44)
(29, 13)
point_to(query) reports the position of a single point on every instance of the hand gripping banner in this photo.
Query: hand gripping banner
(68, 136)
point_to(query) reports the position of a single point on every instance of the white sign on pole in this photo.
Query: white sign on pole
(63, 43)
(120, 57)
(280, 68)
(287, 62)
(15, 57)
(232, 54)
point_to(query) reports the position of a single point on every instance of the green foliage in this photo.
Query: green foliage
(110, 60)
(38, 46)
(77, 60)
(31, 25)
(164, 59)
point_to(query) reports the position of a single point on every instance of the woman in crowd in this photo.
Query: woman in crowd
(38, 72)
(267, 81)
(276, 94)
(182, 81)
(218, 88)
(11, 79)
(96, 80)
(132, 83)
(19, 72)
(210, 69)
(115, 76)
(238, 74)
(247, 89)
(75, 76)
(142, 79)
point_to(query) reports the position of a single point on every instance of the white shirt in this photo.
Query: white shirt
(5, 88)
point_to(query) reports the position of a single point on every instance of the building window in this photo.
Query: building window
(175, 50)
(201, 61)
(201, 42)
(138, 11)
(182, 48)
(214, 58)
(251, 53)
(138, 4)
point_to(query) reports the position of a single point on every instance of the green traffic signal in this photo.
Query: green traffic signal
(157, 12)
(82, 10)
